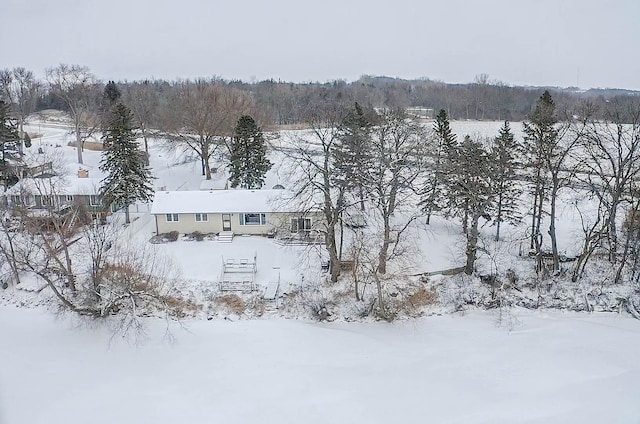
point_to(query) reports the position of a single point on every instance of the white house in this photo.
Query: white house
(252, 212)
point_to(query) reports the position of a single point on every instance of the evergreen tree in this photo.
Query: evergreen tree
(352, 159)
(8, 130)
(444, 147)
(128, 178)
(248, 159)
(111, 94)
(467, 179)
(505, 151)
(540, 137)
(110, 97)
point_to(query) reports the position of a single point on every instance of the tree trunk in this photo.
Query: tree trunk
(613, 233)
(384, 248)
(381, 302)
(127, 219)
(146, 144)
(552, 228)
(472, 244)
(334, 260)
(533, 220)
(78, 143)
(465, 217)
(498, 218)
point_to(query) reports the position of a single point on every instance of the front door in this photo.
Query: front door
(226, 222)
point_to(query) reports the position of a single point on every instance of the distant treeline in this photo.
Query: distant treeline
(286, 103)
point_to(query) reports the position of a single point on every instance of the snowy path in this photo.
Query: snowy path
(550, 368)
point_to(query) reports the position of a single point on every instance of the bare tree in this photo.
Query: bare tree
(611, 160)
(201, 117)
(95, 272)
(142, 99)
(398, 151)
(21, 90)
(313, 173)
(79, 90)
(10, 231)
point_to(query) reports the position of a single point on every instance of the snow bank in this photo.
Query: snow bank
(553, 367)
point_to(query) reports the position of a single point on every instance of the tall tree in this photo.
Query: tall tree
(611, 149)
(142, 99)
(539, 131)
(505, 152)
(248, 162)
(352, 153)
(200, 116)
(110, 97)
(79, 90)
(314, 178)
(128, 177)
(8, 126)
(468, 180)
(444, 143)
(549, 149)
(8, 133)
(21, 90)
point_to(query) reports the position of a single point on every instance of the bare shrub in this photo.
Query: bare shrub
(232, 303)
(422, 297)
(172, 236)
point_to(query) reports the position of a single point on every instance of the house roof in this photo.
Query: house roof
(57, 185)
(221, 201)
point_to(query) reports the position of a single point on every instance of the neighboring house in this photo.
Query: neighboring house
(252, 212)
(55, 193)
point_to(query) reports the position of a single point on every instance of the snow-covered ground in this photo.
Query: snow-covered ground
(536, 367)
(545, 368)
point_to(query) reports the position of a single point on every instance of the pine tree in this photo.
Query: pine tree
(352, 159)
(128, 178)
(248, 163)
(8, 130)
(505, 151)
(445, 146)
(467, 179)
(540, 137)
(110, 97)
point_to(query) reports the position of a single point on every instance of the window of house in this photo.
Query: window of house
(300, 224)
(95, 200)
(69, 198)
(172, 217)
(253, 219)
(28, 200)
(202, 217)
(46, 200)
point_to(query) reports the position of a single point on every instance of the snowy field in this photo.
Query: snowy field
(545, 368)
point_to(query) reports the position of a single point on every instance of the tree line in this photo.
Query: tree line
(285, 103)
(396, 171)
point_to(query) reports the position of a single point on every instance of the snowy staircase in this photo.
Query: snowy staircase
(225, 236)
(272, 290)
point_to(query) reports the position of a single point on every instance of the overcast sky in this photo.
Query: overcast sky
(586, 43)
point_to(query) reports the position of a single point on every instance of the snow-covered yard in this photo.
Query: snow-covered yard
(546, 368)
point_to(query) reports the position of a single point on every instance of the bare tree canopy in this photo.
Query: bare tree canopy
(80, 91)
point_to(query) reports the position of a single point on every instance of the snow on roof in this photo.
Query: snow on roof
(57, 185)
(221, 201)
